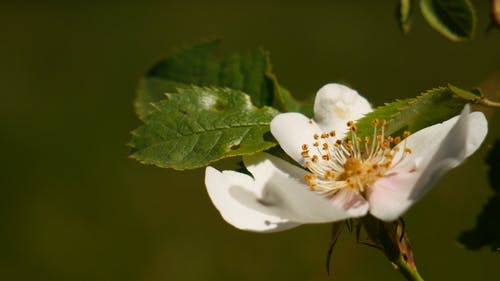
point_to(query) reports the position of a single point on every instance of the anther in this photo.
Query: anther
(397, 140)
(316, 144)
(326, 157)
(406, 134)
(304, 147)
(385, 144)
(383, 123)
(332, 133)
(307, 177)
(315, 136)
(325, 146)
(315, 158)
(350, 123)
(375, 122)
(408, 150)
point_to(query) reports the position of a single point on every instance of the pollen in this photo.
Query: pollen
(355, 163)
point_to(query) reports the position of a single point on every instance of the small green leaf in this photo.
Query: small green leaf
(472, 95)
(431, 107)
(250, 73)
(337, 228)
(199, 125)
(487, 229)
(293, 105)
(403, 15)
(455, 19)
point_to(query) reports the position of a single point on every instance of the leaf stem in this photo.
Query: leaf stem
(490, 103)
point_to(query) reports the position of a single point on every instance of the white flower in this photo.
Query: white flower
(342, 179)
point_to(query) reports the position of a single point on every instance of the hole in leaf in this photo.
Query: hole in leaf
(219, 106)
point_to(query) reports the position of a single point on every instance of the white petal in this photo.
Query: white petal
(389, 196)
(464, 138)
(436, 150)
(234, 195)
(292, 130)
(335, 104)
(284, 190)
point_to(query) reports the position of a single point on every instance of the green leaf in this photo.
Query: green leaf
(199, 125)
(455, 19)
(486, 233)
(473, 95)
(431, 107)
(293, 105)
(337, 228)
(250, 73)
(403, 15)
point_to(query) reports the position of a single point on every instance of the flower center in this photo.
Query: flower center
(355, 163)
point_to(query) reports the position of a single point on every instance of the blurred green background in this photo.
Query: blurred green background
(74, 207)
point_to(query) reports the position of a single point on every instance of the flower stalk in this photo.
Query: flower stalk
(393, 241)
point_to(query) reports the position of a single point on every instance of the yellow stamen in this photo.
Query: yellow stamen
(348, 163)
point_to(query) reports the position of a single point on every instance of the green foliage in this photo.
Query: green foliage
(250, 73)
(199, 125)
(487, 229)
(291, 104)
(183, 131)
(431, 107)
(403, 14)
(454, 19)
